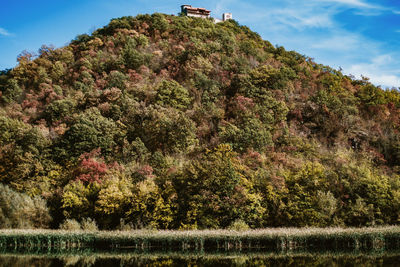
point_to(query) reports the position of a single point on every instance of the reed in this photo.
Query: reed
(281, 239)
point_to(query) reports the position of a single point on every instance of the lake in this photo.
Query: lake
(125, 258)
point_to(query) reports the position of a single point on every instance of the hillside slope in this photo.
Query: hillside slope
(175, 122)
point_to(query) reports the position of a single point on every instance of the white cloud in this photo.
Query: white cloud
(356, 3)
(222, 7)
(338, 42)
(382, 59)
(313, 28)
(4, 32)
(300, 19)
(379, 70)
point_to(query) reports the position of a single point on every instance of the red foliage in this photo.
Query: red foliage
(244, 103)
(144, 70)
(145, 170)
(29, 104)
(91, 167)
(47, 93)
(134, 76)
(111, 95)
(101, 84)
(252, 159)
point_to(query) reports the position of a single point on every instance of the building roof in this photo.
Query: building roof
(196, 10)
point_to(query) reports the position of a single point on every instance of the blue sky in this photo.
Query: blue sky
(360, 36)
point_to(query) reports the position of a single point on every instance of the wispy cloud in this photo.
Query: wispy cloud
(4, 32)
(316, 28)
(300, 19)
(379, 69)
(343, 42)
(355, 3)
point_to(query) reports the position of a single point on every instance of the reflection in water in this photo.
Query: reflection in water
(205, 259)
(126, 258)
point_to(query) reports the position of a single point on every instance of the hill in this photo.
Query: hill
(176, 122)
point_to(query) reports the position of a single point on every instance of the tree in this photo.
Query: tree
(160, 128)
(213, 192)
(91, 131)
(78, 199)
(172, 94)
(18, 210)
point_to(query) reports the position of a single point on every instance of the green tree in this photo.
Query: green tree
(59, 110)
(11, 91)
(91, 131)
(371, 95)
(213, 192)
(160, 128)
(172, 94)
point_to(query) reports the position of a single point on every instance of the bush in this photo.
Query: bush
(18, 210)
(239, 225)
(88, 224)
(70, 224)
(124, 226)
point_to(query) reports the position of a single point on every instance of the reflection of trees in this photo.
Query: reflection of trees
(182, 259)
(22, 261)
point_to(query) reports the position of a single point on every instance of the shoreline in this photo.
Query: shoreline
(272, 239)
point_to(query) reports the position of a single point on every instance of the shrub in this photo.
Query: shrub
(70, 224)
(124, 226)
(239, 225)
(18, 210)
(78, 199)
(88, 224)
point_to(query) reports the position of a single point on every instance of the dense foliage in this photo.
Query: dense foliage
(179, 123)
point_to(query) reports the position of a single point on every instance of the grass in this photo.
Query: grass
(280, 239)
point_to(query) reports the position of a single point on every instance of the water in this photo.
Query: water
(105, 259)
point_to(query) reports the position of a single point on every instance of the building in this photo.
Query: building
(197, 12)
(226, 16)
(200, 12)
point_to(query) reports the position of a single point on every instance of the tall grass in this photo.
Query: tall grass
(283, 239)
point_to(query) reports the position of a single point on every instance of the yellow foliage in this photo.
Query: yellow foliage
(76, 199)
(116, 192)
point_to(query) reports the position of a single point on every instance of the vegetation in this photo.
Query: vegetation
(279, 239)
(172, 122)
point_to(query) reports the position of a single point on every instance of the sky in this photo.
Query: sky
(362, 37)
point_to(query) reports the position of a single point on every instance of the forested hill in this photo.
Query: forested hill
(174, 122)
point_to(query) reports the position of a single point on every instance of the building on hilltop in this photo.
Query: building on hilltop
(197, 12)
(200, 12)
(226, 16)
